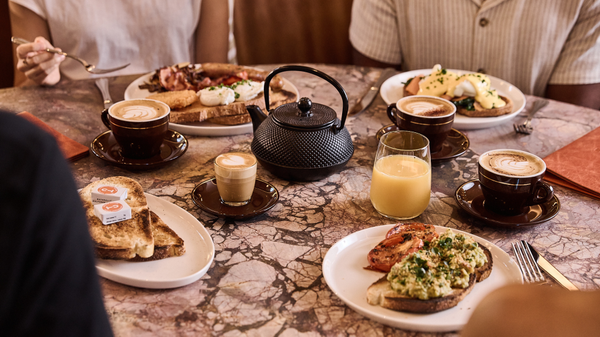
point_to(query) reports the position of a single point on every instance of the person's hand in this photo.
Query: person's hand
(38, 65)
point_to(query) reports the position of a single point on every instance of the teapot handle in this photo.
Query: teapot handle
(315, 72)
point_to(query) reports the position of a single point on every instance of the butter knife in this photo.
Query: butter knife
(102, 84)
(363, 103)
(551, 270)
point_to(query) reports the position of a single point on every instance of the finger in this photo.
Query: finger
(39, 74)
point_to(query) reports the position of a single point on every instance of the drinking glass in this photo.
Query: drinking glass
(401, 183)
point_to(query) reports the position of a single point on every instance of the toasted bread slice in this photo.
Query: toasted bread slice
(484, 271)
(381, 293)
(229, 114)
(176, 99)
(482, 112)
(125, 239)
(231, 120)
(166, 242)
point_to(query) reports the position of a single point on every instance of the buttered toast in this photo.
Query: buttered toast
(166, 242)
(125, 239)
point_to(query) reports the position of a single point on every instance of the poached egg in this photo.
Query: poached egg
(443, 82)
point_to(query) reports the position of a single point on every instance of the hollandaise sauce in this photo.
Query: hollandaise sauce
(443, 82)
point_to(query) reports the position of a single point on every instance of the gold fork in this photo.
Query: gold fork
(90, 68)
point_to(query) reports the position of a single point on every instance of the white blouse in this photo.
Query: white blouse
(148, 34)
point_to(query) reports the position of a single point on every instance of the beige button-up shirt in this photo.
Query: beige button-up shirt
(529, 43)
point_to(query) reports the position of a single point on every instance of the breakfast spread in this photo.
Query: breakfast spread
(143, 236)
(426, 271)
(214, 92)
(471, 93)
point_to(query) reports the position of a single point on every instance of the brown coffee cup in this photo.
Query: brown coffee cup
(139, 126)
(428, 115)
(511, 180)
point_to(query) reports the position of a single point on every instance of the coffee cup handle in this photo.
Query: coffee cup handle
(390, 112)
(546, 191)
(104, 117)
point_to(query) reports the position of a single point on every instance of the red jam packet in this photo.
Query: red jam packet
(577, 165)
(71, 149)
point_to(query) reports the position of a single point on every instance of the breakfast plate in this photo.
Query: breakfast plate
(393, 88)
(200, 128)
(343, 269)
(171, 272)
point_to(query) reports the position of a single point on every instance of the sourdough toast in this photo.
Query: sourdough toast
(229, 114)
(125, 239)
(166, 242)
(381, 293)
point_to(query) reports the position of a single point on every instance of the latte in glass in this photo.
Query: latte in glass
(236, 174)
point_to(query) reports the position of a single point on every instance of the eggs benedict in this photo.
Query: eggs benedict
(471, 93)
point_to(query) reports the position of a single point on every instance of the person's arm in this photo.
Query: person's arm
(212, 33)
(33, 66)
(587, 95)
(365, 61)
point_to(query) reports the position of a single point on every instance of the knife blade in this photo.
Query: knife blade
(102, 84)
(363, 103)
(551, 270)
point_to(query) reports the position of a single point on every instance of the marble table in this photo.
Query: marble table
(266, 278)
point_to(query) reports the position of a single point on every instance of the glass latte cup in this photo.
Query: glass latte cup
(401, 183)
(236, 175)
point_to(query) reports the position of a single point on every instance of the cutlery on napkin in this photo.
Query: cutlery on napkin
(71, 149)
(577, 165)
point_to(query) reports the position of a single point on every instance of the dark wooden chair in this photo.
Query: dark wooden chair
(6, 49)
(292, 31)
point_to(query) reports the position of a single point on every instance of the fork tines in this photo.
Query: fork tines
(527, 264)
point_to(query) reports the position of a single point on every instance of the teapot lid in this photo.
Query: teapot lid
(304, 115)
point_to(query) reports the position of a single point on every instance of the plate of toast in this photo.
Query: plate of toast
(223, 120)
(393, 89)
(160, 246)
(347, 273)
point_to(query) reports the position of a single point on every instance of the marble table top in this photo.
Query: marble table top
(266, 278)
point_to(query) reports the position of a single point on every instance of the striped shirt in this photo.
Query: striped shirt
(529, 43)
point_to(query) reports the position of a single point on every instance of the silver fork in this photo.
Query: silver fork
(526, 128)
(90, 68)
(527, 264)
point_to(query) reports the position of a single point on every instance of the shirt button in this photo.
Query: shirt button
(481, 70)
(483, 22)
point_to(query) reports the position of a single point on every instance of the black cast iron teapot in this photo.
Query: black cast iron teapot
(301, 141)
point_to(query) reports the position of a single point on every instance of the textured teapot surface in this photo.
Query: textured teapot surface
(303, 149)
(302, 141)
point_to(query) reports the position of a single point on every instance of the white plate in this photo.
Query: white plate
(171, 272)
(393, 89)
(344, 273)
(201, 128)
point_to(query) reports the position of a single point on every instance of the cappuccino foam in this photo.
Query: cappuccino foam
(512, 163)
(425, 106)
(139, 110)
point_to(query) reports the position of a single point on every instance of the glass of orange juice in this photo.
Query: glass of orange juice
(401, 183)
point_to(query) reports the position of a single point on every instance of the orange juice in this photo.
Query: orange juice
(400, 186)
